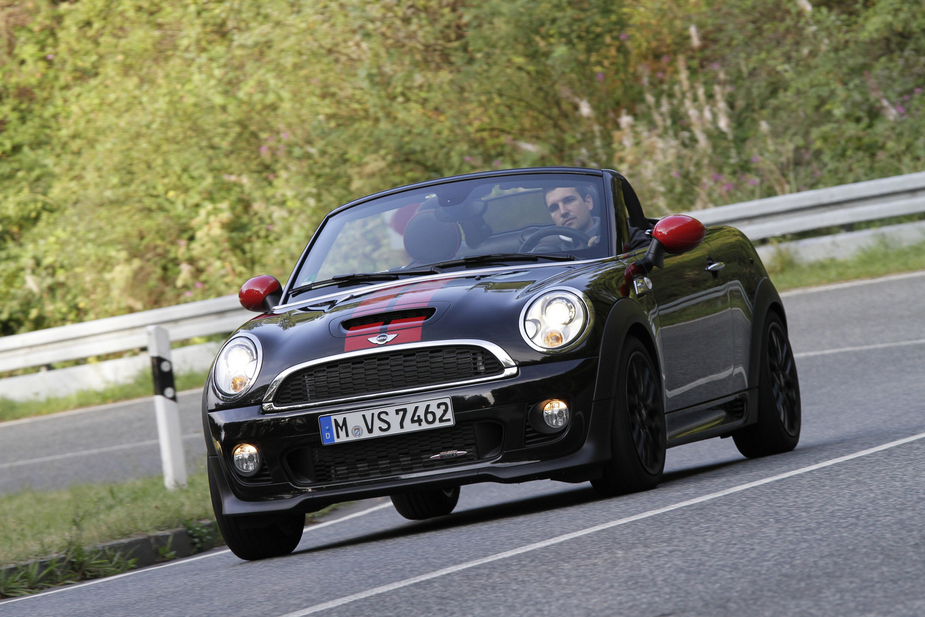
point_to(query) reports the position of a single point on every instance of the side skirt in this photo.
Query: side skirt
(712, 419)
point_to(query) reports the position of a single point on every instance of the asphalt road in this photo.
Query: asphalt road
(836, 527)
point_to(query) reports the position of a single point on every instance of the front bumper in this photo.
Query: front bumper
(492, 427)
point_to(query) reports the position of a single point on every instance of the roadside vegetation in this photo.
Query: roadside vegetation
(38, 524)
(875, 261)
(159, 152)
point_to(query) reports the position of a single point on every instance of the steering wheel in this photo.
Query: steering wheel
(531, 243)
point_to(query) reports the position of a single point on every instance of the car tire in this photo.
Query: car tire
(638, 434)
(420, 505)
(779, 411)
(277, 536)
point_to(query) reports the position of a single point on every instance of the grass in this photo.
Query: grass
(878, 260)
(142, 386)
(36, 524)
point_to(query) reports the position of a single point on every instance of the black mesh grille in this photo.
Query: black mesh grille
(386, 456)
(385, 372)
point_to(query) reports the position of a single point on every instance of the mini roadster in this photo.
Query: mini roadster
(503, 326)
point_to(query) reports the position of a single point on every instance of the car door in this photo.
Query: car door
(694, 335)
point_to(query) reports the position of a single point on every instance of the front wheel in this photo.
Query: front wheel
(420, 505)
(257, 537)
(779, 410)
(638, 435)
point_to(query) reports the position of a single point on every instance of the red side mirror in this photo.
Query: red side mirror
(260, 294)
(679, 233)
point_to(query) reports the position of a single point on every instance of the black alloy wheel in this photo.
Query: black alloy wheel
(779, 410)
(254, 538)
(420, 505)
(638, 436)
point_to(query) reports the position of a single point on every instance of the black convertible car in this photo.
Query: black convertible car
(495, 327)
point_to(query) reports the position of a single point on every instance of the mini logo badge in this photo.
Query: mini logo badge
(448, 454)
(357, 430)
(381, 339)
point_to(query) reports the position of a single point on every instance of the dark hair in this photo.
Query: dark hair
(584, 190)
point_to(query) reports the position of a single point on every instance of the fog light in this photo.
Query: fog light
(555, 413)
(246, 459)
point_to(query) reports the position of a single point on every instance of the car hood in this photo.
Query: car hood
(483, 305)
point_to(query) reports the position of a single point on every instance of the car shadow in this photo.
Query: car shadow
(474, 516)
(579, 495)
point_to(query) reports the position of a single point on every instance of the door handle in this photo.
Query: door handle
(715, 267)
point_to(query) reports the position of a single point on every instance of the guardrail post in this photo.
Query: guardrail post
(165, 408)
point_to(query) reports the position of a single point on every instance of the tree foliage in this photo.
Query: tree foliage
(156, 151)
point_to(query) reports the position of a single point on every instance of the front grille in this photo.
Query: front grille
(386, 456)
(387, 371)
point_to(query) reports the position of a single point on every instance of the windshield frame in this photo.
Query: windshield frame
(606, 199)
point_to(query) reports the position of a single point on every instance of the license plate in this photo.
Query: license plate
(385, 421)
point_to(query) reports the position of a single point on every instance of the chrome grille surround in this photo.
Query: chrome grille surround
(510, 370)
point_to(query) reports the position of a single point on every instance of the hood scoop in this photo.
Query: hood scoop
(415, 315)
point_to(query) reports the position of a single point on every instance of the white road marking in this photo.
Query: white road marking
(826, 352)
(584, 532)
(180, 562)
(860, 282)
(60, 457)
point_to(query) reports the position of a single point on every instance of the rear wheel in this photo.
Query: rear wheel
(638, 436)
(779, 411)
(257, 537)
(419, 505)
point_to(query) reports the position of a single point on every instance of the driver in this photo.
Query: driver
(572, 207)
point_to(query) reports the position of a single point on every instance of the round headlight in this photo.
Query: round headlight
(237, 366)
(555, 320)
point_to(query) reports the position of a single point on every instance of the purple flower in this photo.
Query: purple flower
(468, 159)
(675, 174)
(659, 74)
(906, 97)
(754, 181)
(918, 91)
(187, 293)
(727, 187)
(269, 227)
(50, 57)
(271, 176)
(666, 58)
(717, 177)
(624, 36)
(198, 285)
(715, 65)
(496, 162)
(264, 149)
(285, 135)
(901, 110)
(756, 158)
(600, 77)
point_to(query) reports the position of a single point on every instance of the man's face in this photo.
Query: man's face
(568, 209)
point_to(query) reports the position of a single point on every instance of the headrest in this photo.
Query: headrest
(428, 240)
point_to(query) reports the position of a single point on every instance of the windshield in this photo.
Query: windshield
(530, 214)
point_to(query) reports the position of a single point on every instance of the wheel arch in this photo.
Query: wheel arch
(766, 300)
(626, 318)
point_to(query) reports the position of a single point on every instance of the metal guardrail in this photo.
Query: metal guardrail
(764, 218)
(122, 333)
(835, 206)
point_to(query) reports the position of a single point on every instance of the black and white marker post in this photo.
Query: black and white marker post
(165, 408)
